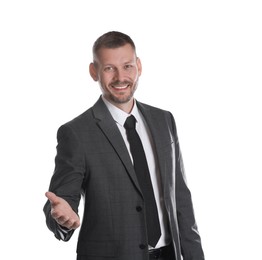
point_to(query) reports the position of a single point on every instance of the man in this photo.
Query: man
(126, 186)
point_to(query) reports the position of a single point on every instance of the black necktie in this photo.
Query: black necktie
(143, 176)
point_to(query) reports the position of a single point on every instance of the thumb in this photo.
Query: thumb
(52, 197)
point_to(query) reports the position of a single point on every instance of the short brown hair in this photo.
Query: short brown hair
(111, 40)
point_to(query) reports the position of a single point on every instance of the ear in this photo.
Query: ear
(139, 66)
(93, 72)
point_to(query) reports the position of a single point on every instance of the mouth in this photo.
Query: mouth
(121, 85)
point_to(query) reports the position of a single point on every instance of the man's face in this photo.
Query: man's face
(117, 71)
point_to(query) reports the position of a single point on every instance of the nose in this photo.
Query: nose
(120, 75)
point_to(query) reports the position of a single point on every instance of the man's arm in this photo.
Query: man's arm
(191, 247)
(66, 185)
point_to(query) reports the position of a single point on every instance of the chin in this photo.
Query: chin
(121, 100)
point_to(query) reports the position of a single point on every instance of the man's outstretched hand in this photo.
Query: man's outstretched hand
(62, 212)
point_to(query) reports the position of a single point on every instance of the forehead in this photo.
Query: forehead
(122, 54)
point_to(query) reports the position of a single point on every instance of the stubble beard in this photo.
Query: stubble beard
(124, 99)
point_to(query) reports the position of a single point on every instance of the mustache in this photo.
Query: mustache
(121, 83)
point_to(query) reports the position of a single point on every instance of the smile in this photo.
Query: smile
(120, 87)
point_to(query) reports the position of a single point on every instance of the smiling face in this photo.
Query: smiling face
(117, 70)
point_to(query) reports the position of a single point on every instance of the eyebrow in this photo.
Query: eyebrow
(127, 62)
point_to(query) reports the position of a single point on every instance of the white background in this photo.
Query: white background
(202, 60)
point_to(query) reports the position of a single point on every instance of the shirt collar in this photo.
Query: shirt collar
(119, 115)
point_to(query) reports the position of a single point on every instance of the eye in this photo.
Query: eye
(108, 68)
(128, 66)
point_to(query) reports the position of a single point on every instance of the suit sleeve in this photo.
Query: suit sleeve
(191, 247)
(68, 176)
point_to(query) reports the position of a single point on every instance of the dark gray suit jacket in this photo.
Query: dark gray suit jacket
(92, 160)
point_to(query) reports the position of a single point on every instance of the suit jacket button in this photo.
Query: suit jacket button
(142, 246)
(138, 208)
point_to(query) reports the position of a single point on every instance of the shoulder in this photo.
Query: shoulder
(156, 115)
(77, 125)
(153, 110)
(81, 119)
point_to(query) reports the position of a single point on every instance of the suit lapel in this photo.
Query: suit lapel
(108, 126)
(160, 135)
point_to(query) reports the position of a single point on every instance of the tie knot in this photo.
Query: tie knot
(130, 122)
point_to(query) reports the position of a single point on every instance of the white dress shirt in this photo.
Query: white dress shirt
(143, 131)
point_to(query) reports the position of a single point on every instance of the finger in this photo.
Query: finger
(52, 197)
(72, 224)
(63, 221)
(68, 223)
(76, 224)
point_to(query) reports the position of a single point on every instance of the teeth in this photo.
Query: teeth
(120, 87)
